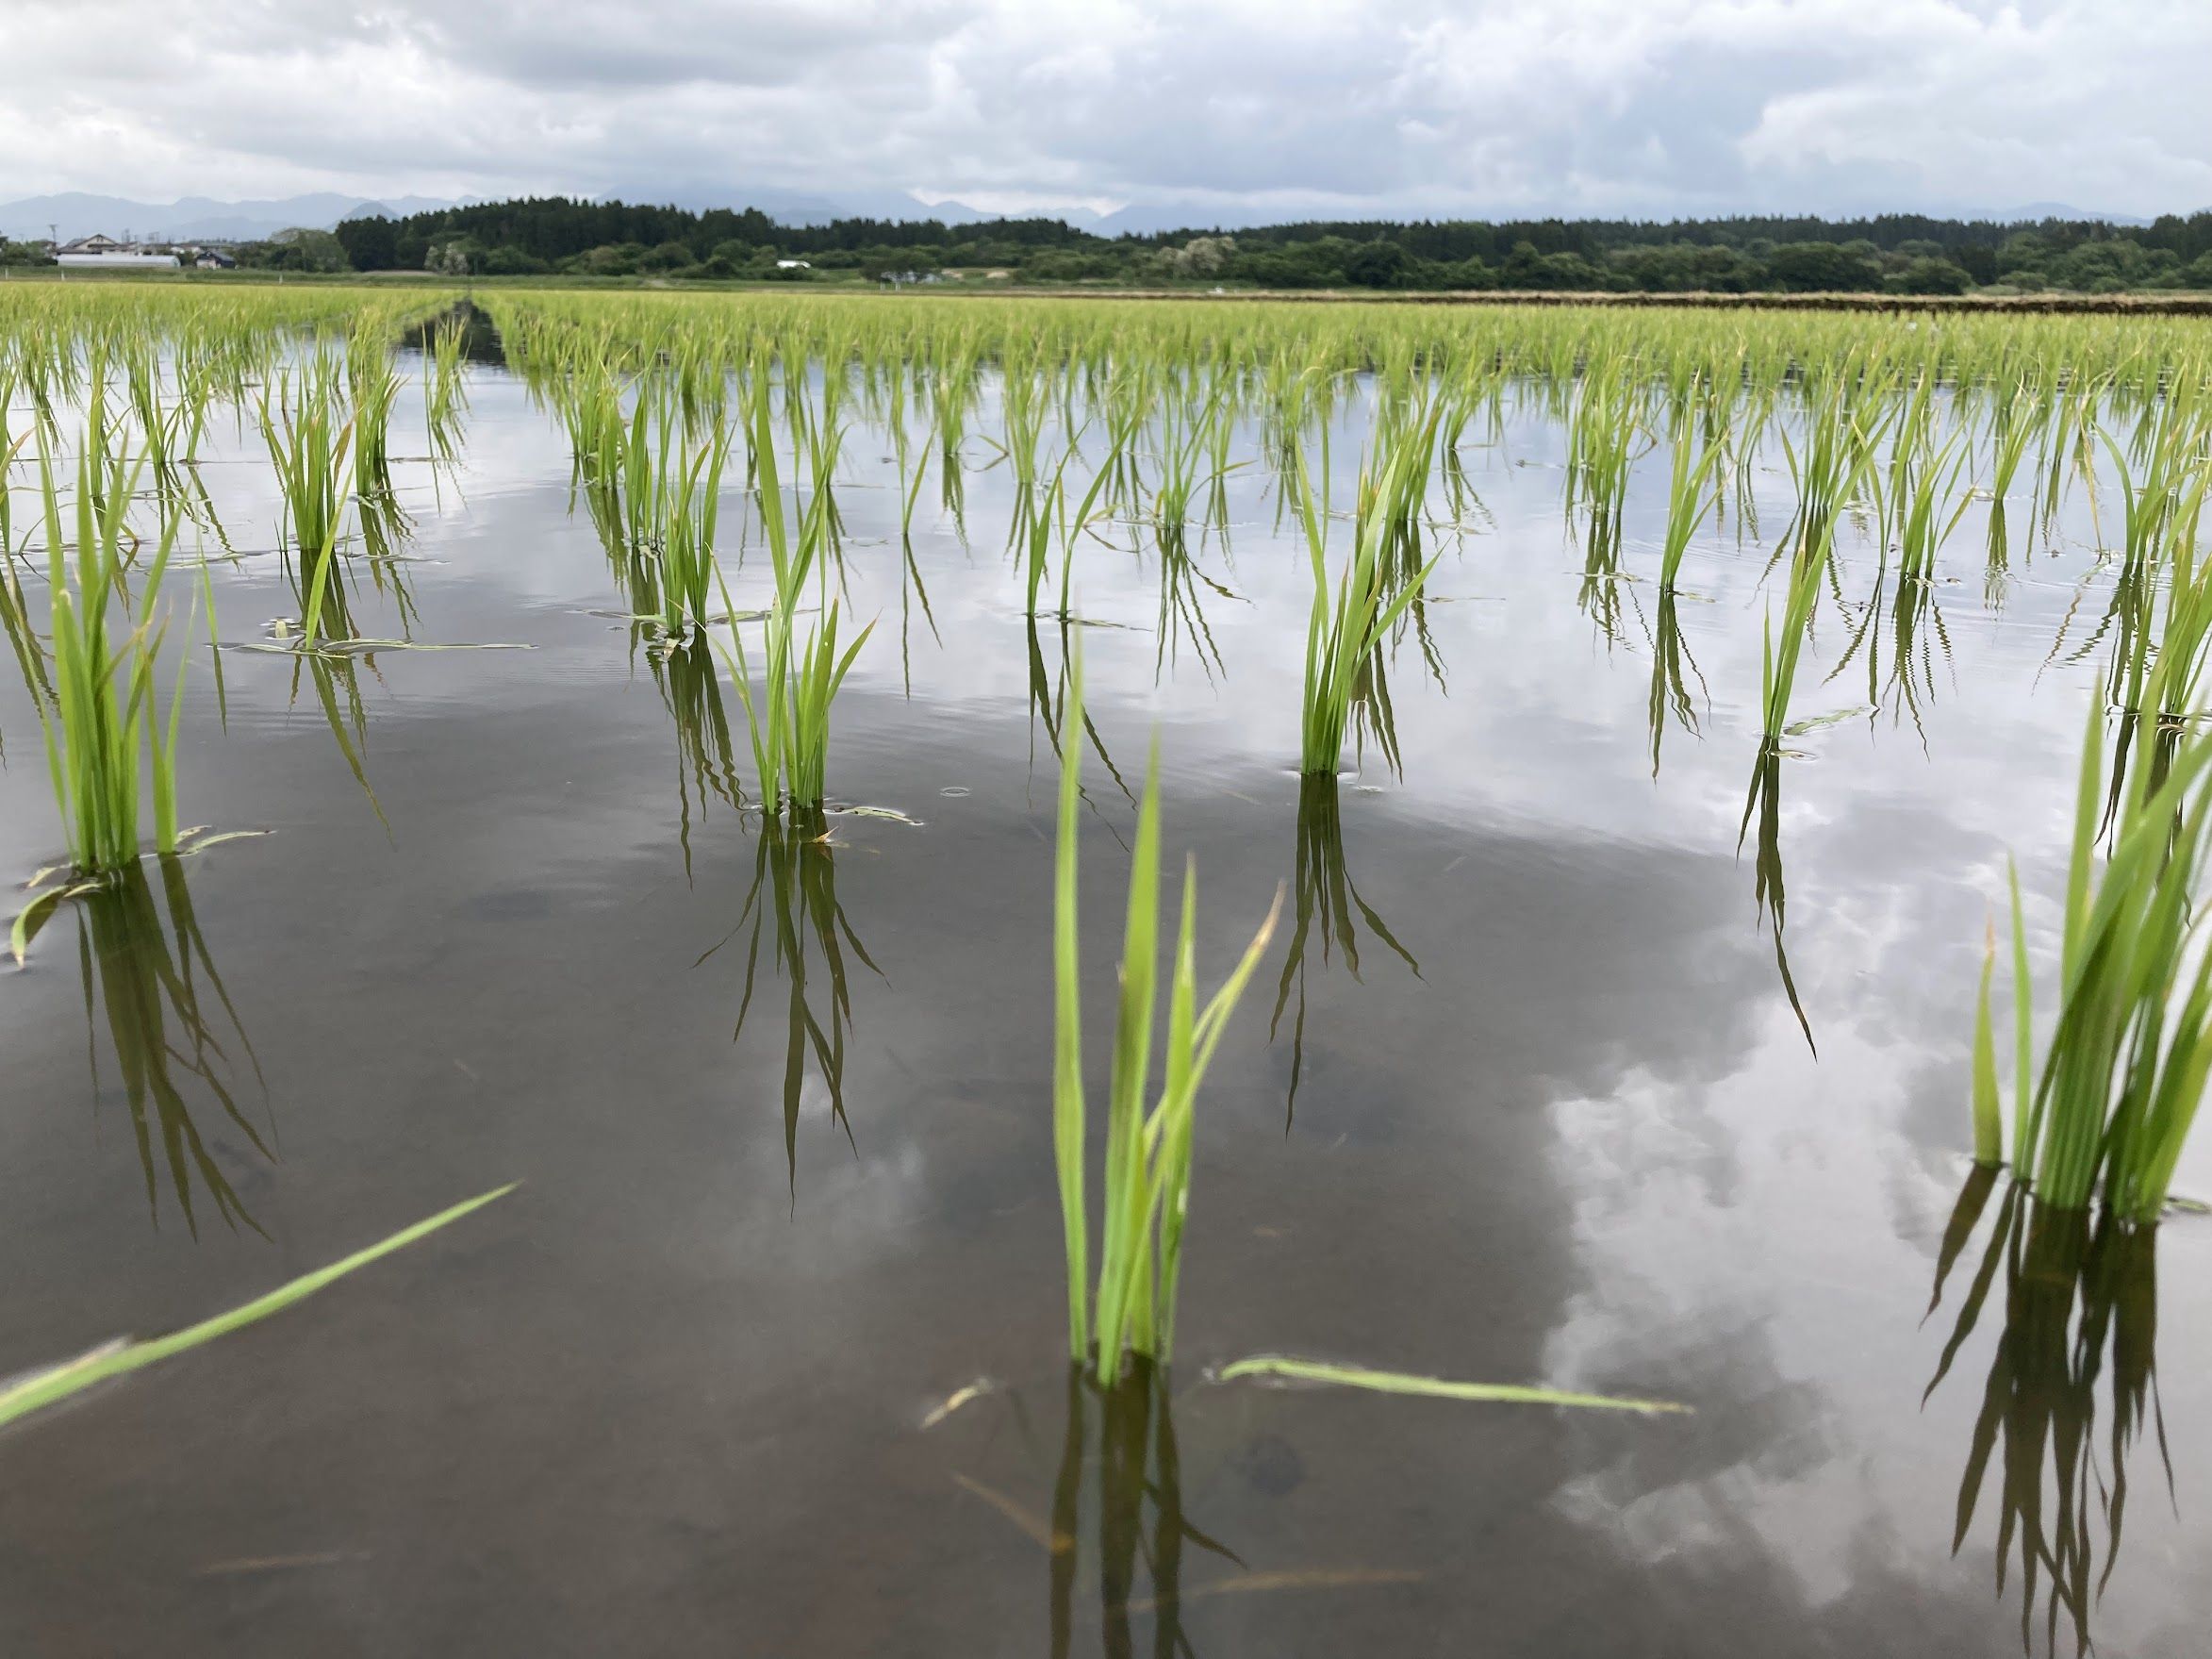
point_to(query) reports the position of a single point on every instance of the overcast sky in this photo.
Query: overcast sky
(1481, 107)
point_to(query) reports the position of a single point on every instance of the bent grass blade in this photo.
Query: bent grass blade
(114, 1360)
(1282, 1368)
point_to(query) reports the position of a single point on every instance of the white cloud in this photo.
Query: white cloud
(1649, 106)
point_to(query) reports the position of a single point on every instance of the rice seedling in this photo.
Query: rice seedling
(106, 649)
(1146, 1175)
(445, 389)
(116, 1359)
(1693, 493)
(372, 387)
(2155, 685)
(2125, 1063)
(309, 446)
(1343, 633)
(690, 517)
(2014, 423)
(1602, 443)
(789, 718)
(654, 494)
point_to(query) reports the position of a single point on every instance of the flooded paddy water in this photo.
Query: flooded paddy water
(1602, 1044)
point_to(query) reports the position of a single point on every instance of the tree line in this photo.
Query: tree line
(1893, 253)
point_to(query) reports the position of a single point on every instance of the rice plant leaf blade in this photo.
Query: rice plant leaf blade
(1282, 1367)
(49, 1387)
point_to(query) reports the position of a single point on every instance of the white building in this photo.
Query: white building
(117, 261)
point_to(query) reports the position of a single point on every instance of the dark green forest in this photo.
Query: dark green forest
(1890, 253)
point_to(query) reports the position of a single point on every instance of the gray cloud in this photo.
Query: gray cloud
(1645, 107)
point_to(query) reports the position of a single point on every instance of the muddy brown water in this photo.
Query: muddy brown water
(1555, 1120)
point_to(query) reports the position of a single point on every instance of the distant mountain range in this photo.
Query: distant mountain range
(75, 213)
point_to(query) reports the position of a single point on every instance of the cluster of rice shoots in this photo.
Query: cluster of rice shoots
(1829, 466)
(2125, 1064)
(1147, 1179)
(788, 714)
(654, 487)
(1347, 627)
(104, 707)
(309, 441)
(1694, 490)
(445, 391)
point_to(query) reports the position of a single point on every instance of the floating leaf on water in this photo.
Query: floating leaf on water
(208, 841)
(251, 1564)
(1305, 1577)
(340, 649)
(1836, 718)
(116, 1358)
(37, 1375)
(966, 1395)
(1280, 1368)
(28, 920)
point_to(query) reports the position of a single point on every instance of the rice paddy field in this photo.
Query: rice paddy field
(708, 974)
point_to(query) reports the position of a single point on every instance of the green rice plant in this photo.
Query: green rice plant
(2014, 423)
(1693, 489)
(1039, 527)
(691, 515)
(309, 446)
(789, 718)
(653, 496)
(1777, 674)
(1183, 437)
(169, 433)
(1922, 483)
(105, 652)
(1343, 633)
(445, 389)
(372, 386)
(1604, 434)
(1145, 1187)
(46, 1387)
(2125, 1064)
